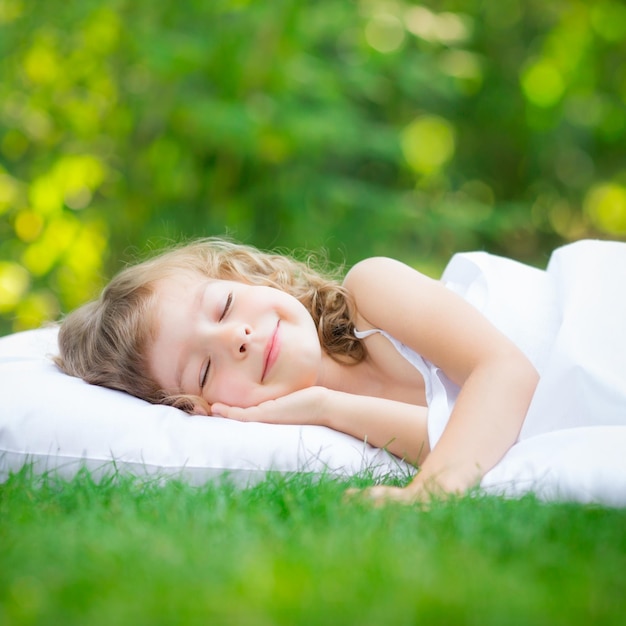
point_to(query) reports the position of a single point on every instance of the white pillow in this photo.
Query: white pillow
(59, 424)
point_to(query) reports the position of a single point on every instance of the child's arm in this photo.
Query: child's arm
(497, 381)
(398, 427)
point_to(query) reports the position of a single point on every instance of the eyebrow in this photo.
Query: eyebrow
(182, 358)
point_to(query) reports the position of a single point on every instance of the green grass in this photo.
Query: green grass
(293, 551)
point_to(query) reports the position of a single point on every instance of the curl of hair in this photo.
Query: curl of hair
(105, 342)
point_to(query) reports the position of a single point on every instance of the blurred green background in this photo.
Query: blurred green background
(366, 127)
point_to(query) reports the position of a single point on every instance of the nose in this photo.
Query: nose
(236, 339)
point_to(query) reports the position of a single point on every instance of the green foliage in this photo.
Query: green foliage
(368, 127)
(291, 550)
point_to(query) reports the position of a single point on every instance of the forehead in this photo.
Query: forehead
(177, 281)
(175, 298)
(171, 298)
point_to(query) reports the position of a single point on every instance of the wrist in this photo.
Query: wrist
(447, 481)
(323, 410)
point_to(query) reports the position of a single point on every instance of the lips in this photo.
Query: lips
(271, 352)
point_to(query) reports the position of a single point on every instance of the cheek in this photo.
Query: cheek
(233, 391)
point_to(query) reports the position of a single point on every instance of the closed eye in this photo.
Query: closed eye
(229, 301)
(204, 373)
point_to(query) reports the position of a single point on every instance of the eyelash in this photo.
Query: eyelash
(205, 375)
(229, 301)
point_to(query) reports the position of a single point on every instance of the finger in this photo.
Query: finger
(375, 495)
(381, 496)
(233, 412)
(219, 410)
(249, 414)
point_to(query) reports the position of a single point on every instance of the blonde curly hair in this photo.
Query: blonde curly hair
(105, 342)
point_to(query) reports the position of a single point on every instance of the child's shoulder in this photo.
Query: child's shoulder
(379, 277)
(390, 295)
(379, 266)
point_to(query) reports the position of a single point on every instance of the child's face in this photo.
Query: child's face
(231, 342)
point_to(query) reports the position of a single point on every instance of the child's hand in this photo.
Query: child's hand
(416, 492)
(305, 406)
(381, 495)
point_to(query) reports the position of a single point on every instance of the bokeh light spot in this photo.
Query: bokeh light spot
(45, 195)
(35, 309)
(8, 192)
(384, 32)
(606, 206)
(40, 256)
(542, 83)
(28, 225)
(445, 28)
(14, 282)
(428, 143)
(41, 63)
(461, 64)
